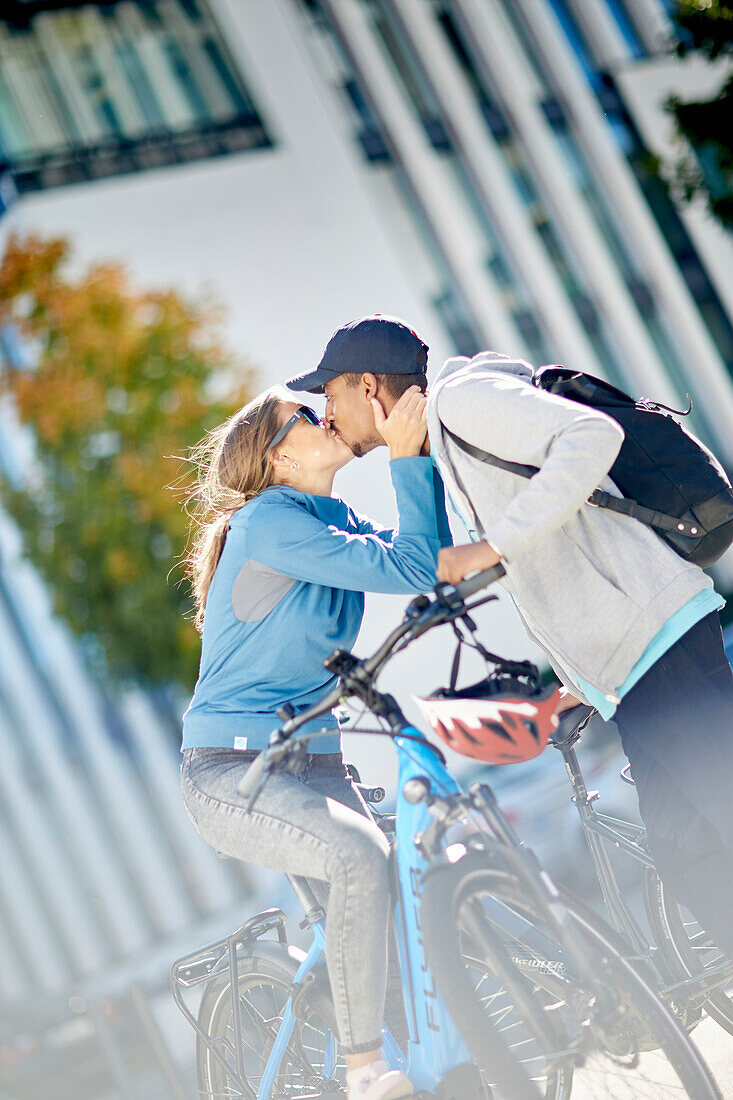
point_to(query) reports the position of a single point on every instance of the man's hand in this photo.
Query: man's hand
(456, 562)
(405, 429)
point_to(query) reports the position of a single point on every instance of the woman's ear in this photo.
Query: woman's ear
(280, 462)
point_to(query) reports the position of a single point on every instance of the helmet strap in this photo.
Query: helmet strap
(501, 664)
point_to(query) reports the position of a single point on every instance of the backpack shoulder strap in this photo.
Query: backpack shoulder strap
(626, 507)
(489, 459)
(598, 498)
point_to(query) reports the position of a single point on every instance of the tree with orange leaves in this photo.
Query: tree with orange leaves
(121, 382)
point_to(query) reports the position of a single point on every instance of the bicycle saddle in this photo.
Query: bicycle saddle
(570, 723)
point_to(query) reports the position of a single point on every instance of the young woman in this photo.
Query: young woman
(279, 570)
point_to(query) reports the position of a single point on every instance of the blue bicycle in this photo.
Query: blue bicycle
(265, 1022)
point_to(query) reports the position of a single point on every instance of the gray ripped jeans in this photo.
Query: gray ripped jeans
(316, 825)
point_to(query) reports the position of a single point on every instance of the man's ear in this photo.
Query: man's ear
(373, 392)
(370, 385)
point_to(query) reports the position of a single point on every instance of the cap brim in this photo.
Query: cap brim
(312, 382)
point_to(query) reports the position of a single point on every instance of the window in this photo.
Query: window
(369, 134)
(408, 72)
(457, 322)
(576, 41)
(92, 90)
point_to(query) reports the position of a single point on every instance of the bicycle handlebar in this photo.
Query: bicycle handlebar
(449, 604)
(449, 599)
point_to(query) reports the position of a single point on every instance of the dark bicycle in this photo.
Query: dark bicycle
(682, 962)
(694, 973)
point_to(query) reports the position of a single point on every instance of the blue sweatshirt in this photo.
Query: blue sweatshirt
(289, 589)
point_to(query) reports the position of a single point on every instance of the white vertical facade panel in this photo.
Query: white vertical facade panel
(209, 876)
(136, 830)
(148, 46)
(461, 241)
(14, 131)
(30, 926)
(488, 169)
(217, 98)
(615, 177)
(75, 810)
(407, 235)
(645, 87)
(54, 873)
(612, 298)
(601, 31)
(99, 39)
(135, 826)
(653, 23)
(48, 28)
(15, 983)
(30, 98)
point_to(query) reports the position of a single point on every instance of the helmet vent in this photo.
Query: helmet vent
(467, 732)
(531, 727)
(496, 728)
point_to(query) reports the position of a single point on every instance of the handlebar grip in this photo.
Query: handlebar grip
(480, 580)
(253, 776)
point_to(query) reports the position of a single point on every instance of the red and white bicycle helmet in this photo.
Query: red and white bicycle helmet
(505, 718)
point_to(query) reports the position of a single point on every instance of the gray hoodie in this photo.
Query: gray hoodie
(592, 587)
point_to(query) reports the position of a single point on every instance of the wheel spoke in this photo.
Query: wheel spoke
(262, 1002)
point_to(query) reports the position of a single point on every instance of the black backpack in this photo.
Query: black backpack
(670, 480)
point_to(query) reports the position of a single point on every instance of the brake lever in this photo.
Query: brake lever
(447, 595)
(293, 756)
(254, 779)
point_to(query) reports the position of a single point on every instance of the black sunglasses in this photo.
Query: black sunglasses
(306, 412)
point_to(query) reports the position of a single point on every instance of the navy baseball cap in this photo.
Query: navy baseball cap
(378, 343)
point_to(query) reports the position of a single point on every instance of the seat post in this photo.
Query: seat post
(306, 896)
(572, 765)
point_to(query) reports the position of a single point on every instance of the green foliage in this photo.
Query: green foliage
(122, 382)
(707, 26)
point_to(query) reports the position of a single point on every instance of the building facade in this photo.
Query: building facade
(481, 167)
(515, 132)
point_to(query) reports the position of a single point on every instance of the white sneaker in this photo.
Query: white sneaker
(376, 1082)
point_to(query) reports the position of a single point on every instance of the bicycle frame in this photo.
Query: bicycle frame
(435, 1046)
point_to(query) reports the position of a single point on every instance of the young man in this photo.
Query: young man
(627, 625)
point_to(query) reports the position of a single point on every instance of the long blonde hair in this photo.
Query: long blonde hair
(232, 469)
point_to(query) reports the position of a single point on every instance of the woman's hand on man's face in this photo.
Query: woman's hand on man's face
(405, 429)
(456, 562)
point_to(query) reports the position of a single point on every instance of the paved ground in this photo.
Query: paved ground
(651, 1081)
(716, 1047)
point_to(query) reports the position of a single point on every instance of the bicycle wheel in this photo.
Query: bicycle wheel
(312, 1064)
(633, 1047)
(685, 946)
(517, 1049)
